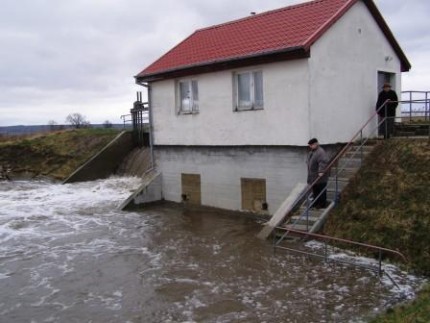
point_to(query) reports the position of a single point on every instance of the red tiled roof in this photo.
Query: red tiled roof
(289, 28)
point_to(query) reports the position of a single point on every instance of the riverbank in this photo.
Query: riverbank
(387, 204)
(55, 155)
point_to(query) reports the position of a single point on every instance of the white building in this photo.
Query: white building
(233, 105)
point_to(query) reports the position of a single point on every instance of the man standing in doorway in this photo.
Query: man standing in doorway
(388, 111)
(317, 162)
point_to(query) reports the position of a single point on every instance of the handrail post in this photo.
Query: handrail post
(325, 250)
(380, 263)
(427, 112)
(307, 212)
(410, 106)
(386, 121)
(336, 185)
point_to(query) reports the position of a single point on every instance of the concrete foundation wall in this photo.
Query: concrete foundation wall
(104, 163)
(221, 170)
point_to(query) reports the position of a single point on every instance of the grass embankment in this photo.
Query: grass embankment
(56, 154)
(388, 204)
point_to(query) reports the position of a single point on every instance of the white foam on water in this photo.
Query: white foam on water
(74, 227)
(25, 206)
(405, 284)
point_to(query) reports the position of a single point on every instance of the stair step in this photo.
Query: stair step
(312, 212)
(344, 172)
(341, 184)
(349, 162)
(296, 219)
(331, 194)
(366, 148)
(356, 154)
(298, 227)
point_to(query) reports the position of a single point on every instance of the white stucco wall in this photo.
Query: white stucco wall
(328, 96)
(221, 170)
(344, 67)
(283, 121)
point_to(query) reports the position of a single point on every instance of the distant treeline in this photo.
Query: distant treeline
(32, 129)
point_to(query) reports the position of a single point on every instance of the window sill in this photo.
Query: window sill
(247, 109)
(187, 112)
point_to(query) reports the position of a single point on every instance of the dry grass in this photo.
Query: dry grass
(55, 154)
(388, 202)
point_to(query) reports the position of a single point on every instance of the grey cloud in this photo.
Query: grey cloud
(64, 56)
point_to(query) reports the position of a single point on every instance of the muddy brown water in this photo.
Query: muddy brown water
(68, 255)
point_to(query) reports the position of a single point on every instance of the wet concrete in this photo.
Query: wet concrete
(68, 255)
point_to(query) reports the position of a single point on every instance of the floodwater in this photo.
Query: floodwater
(68, 255)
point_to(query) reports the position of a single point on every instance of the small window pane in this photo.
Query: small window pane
(244, 89)
(195, 90)
(258, 89)
(185, 96)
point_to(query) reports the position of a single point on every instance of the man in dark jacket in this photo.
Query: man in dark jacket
(388, 111)
(317, 163)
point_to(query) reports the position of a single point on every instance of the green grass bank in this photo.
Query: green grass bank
(388, 204)
(55, 155)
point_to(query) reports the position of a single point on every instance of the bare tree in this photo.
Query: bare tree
(53, 125)
(77, 120)
(107, 124)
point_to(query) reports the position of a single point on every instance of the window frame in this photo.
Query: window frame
(253, 91)
(193, 89)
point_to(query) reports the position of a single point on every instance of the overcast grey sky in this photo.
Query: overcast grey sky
(63, 56)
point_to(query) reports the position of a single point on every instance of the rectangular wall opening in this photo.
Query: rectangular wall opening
(253, 194)
(191, 189)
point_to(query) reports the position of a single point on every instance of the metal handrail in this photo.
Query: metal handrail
(346, 148)
(126, 119)
(342, 153)
(326, 239)
(330, 165)
(413, 113)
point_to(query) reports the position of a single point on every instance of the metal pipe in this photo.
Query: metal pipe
(151, 128)
(365, 245)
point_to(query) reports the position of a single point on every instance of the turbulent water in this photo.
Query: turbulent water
(68, 255)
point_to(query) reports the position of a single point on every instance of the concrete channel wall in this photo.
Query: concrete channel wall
(150, 191)
(106, 161)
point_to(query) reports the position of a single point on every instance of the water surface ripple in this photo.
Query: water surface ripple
(68, 255)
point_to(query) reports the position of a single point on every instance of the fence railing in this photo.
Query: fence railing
(380, 251)
(415, 106)
(354, 147)
(127, 120)
(357, 138)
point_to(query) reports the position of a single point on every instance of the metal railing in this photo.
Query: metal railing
(355, 147)
(126, 120)
(358, 137)
(325, 256)
(415, 106)
(139, 120)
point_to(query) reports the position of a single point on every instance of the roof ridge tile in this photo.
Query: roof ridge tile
(268, 12)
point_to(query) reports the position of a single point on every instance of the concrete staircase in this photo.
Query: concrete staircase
(412, 129)
(312, 220)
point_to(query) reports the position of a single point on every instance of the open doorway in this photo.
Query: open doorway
(385, 77)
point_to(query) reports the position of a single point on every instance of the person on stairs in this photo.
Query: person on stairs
(388, 111)
(317, 162)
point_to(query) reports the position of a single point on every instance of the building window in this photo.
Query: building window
(249, 91)
(188, 94)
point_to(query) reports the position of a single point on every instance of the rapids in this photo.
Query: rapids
(67, 254)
